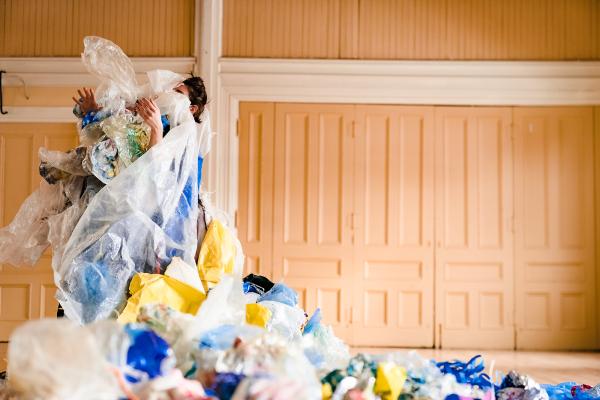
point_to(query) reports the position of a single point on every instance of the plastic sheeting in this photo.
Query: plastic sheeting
(148, 213)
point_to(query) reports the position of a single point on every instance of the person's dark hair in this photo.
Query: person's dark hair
(198, 95)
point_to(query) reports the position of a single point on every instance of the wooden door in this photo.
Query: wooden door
(26, 292)
(255, 207)
(554, 194)
(312, 236)
(474, 238)
(393, 281)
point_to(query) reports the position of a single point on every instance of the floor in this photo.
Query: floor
(544, 367)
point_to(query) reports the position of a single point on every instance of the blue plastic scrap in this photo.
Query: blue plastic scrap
(282, 294)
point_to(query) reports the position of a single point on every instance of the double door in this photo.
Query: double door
(403, 224)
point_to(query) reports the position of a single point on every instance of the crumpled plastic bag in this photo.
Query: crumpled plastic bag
(281, 293)
(217, 254)
(389, 381)
(107, 62)
(258, 315)
(325, 350)
(57, 360)
(516, 386)
(155, 288)
(287, 321)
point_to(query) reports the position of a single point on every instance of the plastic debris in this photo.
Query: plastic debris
(389, 381)
(155, 288)
(517, 386)
(257, 284)
(258, 315)
(217, 254)
(281, 294)
(58, 360)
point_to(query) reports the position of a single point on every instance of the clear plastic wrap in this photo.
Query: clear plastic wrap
(107, 62)
(137, 223)
(23, 241)
(57, 360)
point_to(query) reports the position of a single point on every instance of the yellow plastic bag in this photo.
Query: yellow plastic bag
(390, 380)
(258, 315)
(217, 254)
(155, 288)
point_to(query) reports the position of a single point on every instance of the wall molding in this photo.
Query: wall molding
(471, 83)
(70, 71)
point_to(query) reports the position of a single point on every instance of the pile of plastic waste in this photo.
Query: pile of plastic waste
(150, 277)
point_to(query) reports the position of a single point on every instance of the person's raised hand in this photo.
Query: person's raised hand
(87, 100)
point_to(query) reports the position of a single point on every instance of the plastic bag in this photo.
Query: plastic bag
(24, 240)
(217, 254)
(58, 360)
(183, 272)
(282, 294)
(286, 321)
(107, 62)
(258, 315)
(325, 351)
(389, 381)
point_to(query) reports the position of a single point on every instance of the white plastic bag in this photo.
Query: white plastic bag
(57, 360)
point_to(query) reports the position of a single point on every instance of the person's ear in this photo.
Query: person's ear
(193, 109)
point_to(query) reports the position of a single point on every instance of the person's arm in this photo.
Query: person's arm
(148, 110)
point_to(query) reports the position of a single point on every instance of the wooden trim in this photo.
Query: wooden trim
(38, 114)
(383, 82)
(597, 191)
(70, 71)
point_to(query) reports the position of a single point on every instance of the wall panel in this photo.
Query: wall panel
(26, 292)
(555, 239)
(55, 28)
(474, 241)
(413, 29)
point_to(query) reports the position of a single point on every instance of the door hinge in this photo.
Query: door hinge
(237, 127)
(235, 219)
(353, 133)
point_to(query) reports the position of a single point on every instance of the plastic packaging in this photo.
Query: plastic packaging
(287, 321)
(217, 254)
(282, 294)
(148, 356)
(389, 381)
(517, 386)
(183, 272)
(155, 288)
(24, 240)
(258, 315)
(58, 360)
(325, 351)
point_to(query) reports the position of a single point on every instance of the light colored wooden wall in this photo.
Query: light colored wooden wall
(413, 29)
(55, 28)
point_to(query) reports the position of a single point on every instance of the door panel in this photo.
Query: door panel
(26, 292)
(255, 205)
(393, 281)
(474, 245)
(554, 191)
(312, 240)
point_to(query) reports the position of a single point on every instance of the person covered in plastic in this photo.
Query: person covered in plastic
(159, 126)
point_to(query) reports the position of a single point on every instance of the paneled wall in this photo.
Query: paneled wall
(463, 227)
(25, 292)
(413, 29)
(55, 28)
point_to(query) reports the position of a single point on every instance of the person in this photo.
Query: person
(159, 126)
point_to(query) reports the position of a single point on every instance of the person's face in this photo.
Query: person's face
(184, 90)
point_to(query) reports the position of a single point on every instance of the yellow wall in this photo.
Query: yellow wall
(55, 28)
(413, 29)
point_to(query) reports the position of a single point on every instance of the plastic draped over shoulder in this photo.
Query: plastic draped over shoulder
(137, 223)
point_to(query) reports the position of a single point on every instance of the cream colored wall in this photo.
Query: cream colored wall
(55, 28)
(409, 29)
